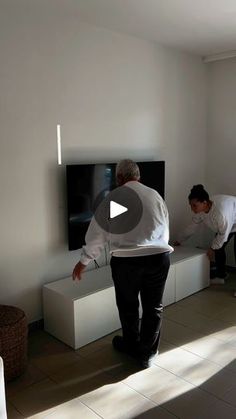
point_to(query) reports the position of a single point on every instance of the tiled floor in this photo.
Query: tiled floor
(194, 376)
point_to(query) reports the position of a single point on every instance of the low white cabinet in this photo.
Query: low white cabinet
(191, 271)
(80, 312)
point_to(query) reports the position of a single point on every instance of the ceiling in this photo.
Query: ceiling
(201, 27)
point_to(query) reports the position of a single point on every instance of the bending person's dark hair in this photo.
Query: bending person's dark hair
(198, 192)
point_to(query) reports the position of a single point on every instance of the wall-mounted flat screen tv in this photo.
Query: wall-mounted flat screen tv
(86, 183)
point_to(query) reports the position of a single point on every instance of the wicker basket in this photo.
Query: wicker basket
(13, 340)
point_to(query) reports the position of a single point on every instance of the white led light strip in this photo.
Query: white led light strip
(59, 144)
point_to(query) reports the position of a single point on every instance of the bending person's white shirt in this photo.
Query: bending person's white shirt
(221, 219)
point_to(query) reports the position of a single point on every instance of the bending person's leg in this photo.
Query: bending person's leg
(220, 259)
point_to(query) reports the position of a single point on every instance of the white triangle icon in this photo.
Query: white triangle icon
(116, 209)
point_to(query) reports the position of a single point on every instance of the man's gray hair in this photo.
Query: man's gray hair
(128, 169)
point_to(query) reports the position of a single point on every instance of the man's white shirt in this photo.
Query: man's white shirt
(150, 236)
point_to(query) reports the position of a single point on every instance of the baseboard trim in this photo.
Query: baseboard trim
(36, 325)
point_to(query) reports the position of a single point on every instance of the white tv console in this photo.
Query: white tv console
(78, 313)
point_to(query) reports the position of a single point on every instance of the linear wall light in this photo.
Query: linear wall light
(59, 144)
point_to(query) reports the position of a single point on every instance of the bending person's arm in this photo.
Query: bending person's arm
(190, 230)
(224, 229)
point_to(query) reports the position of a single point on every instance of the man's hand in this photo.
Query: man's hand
(211, 255)
(77, 272)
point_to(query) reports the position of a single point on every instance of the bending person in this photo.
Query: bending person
(139, 264)
(219, 214)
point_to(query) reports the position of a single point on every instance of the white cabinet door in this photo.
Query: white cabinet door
(191, 276)
(95, 315)
(169, 293)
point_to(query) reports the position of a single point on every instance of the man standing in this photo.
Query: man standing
(139, 262)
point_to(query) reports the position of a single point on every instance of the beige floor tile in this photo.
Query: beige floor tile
(226, 334)
(204, 328)
(55, 360)
(191, 404)
(230, 396)
(125, 373)
(39, 397)
(117, 401)
(113, 362)
(209, 302)
(214, 350)
(202, 305)
(204, 371)
(44, 413)
(232, 340)
(81, 377)
(155, 413)
(165, 346)
(216, 327)
(12, 413)
(213, 301)
(40, 341)
(217, 410)
(192, 304)
(179, 362)
(204, 344)
(227, 358)
(177, 334)
(171, 310)
(217, 293)
(198, 321)
(229, 313)
(220, 383)
(72, 409)
(30, 376)
(158, 384)
(193, 369)
(92, 347)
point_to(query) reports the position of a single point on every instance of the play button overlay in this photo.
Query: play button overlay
(120, 211)
(116, 209)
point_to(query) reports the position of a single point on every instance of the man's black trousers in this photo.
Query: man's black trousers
(144, 275)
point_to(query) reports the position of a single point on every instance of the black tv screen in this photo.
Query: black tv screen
(88, 184)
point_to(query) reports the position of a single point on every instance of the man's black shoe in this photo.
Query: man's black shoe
(147, 361)
(120, 345)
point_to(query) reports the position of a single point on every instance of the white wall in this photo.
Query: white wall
(115, 96)
(221, 149)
